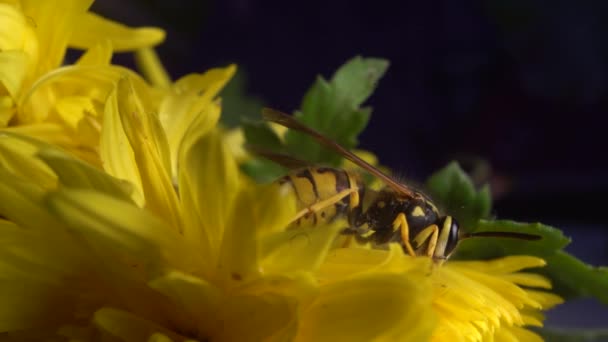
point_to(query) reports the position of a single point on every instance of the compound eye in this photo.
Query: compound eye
(452, 238)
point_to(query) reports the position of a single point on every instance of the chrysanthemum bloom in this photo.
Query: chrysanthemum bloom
(42, 98)
(213, 261)
(86, 263)
(64, 105)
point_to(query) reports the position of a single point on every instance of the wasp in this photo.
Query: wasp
(396, 213)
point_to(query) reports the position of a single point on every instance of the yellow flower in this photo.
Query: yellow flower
(42, 98)
(86, 263)
(211, 259)
(472, 300)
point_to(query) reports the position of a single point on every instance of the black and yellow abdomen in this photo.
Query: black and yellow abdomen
(313, 185)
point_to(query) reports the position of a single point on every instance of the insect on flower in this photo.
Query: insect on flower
(396, 213)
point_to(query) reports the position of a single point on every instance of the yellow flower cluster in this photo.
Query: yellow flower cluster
(124, 217)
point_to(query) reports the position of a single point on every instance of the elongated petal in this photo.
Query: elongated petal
(190, 99)
(98, 54)
(77, 174)
(93, 28)
(54, 22)
(17, 155)
(49, 132)
(152, 68)
(298, 249)
(208, 184)
(254, 318)
(17, 33)
(384, 307)
(150, 150)
(124, 326)
(131, 244)
(7, 110)
(34, 272)
(110, 224)
(269, 209)
(13, 69)
(115, 149)
(196, 299)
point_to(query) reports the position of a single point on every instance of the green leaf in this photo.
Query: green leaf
(259, 134)
(573, 278)
(237, 105)
(333, 108)
(263, 171)
(551, 240)
(453, 190)
(571, 335)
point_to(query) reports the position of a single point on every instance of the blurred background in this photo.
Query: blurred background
(516, 90)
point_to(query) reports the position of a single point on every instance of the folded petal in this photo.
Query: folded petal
(74, 173)
(295, 250)
(255, 318)
(115, 149)
(98, 54)
(110, 225)
(116, 324)
(152, 68)
(13, 69)
(382, 307)
(190, 98)
(54, 22)
(197, 300)
(208, 184)
(258, 211)
(150, 151)
(17, 155)
(93, 28)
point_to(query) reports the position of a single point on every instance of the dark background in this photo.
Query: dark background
(517, 90)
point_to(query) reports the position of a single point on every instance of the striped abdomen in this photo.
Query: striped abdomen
(314, 184)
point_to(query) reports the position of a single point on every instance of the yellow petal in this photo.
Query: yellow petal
(235, 140)
(48, 132)
(344, 263)
(208, 183)
(150, 65)
(254, 318)
(93, 28)
(124, 326)
(98, 54)
(27, 305)
(77, 174)
(195, 298)
(298, 249)
(71, 109)
(191, 98)
(54, 23)
(382, 307)
(260, 211)
(17, 155)
(17, 33)
(13, 66)
(111, 226)
(528, 280)
(35, 263)
(115, 149)
(150, 150)
(7, 110)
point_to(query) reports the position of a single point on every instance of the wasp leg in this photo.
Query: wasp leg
(326, 203)
(401, 223)
(430, 233)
